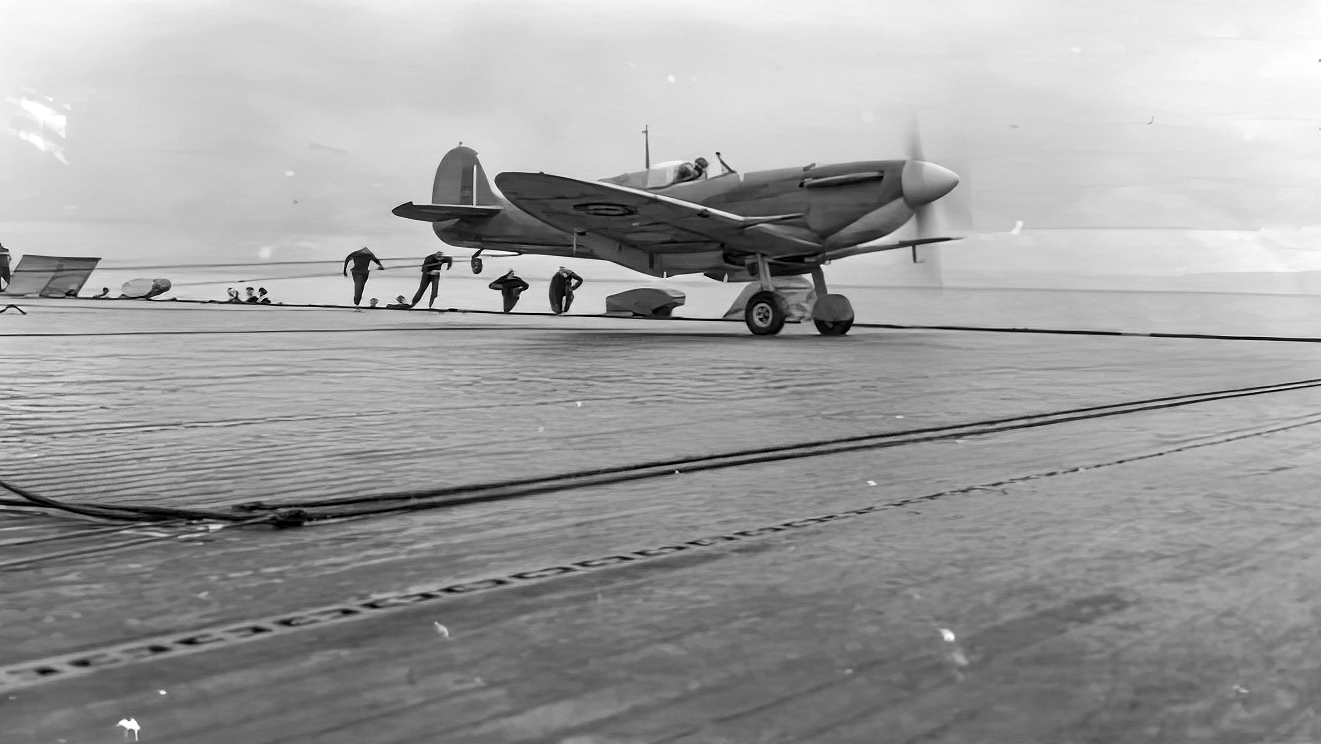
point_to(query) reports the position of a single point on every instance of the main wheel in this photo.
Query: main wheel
(476, 264)
(763, 314)
(833, 327)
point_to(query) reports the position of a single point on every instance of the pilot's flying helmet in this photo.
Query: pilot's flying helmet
(700, 162)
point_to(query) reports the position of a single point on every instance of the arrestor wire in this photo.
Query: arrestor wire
(292, 514)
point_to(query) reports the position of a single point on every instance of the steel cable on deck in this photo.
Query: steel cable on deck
(103, 267)
(413, 263)
(28, 562)
(301, 512)
(296, 513)
(124, 513)
(520, 488)
(466, 311)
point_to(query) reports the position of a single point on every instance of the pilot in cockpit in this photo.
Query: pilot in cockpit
(691, 171)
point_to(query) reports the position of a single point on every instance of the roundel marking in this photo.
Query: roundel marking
(605, 209)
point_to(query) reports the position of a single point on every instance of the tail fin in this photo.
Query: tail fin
(461, 192)
(460, 180)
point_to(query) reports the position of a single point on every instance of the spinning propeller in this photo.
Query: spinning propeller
(923, 184)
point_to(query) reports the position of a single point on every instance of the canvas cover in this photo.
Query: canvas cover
(144, 288)
(645, 301)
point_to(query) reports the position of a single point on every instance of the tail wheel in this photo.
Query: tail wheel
(763, 314)
(833, 327)
(476, 264)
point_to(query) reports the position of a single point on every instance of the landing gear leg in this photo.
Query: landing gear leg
(764, 273)
(833, 313)
(764, 313)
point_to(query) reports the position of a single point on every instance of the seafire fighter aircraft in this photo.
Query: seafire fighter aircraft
(673, 218)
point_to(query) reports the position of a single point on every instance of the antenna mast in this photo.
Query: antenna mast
(646, 139)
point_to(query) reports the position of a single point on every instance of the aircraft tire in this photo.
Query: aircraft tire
(476, 264)
(833, 327)
(763, 314)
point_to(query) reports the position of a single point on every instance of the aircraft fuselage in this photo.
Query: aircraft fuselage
(840, 205)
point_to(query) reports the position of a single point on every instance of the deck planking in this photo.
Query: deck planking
(1130, 600)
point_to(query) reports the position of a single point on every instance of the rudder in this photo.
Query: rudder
(460, 180)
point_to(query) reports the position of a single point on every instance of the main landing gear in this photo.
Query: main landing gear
(832, 313)
(765, 312)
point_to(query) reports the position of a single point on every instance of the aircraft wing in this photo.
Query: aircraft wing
(651, 222)
(858, 250)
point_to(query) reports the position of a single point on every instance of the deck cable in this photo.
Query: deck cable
(297, 513)
(465, 311)
(520, 488)
(125, 513)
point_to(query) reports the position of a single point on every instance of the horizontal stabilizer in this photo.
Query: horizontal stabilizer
(442, 212)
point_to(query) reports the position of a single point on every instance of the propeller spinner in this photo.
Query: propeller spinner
(923, 183)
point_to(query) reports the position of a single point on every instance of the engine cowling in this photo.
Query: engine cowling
(871, 226)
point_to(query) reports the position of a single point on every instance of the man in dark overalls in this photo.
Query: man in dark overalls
(561, 290)
(362, 264)
(510, 286)
(431, 266)
(4, 267)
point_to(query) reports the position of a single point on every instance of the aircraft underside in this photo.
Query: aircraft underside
(721, 266)
(766, 311)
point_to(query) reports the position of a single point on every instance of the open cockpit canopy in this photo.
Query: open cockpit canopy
(660, 175)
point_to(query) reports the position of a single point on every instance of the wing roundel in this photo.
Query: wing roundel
(642, 219)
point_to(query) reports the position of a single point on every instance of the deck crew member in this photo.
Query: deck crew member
(362, 264)
(262, 299)
(510, 286)
(252, 297)
(400, 303)
(4, 268)
(431, 267)
(562, 286)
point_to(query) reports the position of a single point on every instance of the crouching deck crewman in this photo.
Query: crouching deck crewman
(510, 286)
(562, 286)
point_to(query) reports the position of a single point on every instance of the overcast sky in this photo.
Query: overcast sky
(194, 127)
